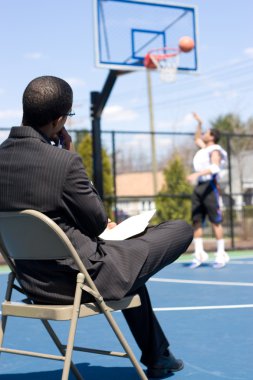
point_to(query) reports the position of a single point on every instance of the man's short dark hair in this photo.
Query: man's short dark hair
(216, 135)
(45, 99)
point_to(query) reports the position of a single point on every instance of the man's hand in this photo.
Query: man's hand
(65, 139)
(198, 138)
(192, 178)
(111, 224)
(197, 118)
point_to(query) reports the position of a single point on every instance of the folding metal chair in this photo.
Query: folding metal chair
(31, 235)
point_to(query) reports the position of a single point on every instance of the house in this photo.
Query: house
(135, 191)
(241, 180)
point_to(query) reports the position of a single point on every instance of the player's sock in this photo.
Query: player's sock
(198, 244)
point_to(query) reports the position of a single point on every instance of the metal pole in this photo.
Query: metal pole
(114, 176)
(96, 146)
(152, 134)
(98, 102)
(231, 216)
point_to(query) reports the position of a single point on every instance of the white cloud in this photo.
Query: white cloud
(33, 55)
(203, 47)
(229, 94)
(78, 122)
(233, 61)
(163, 141)
(10, 114)
(76, 82)
(221, 89)
(183, 124)
(144, 140)
(118, 113)
(216, 84)
(164, 126)
(136, 101)
(213, 84)
(138, 140)
(187, 121)
(249, 52)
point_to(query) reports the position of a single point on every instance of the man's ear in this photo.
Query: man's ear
(57, 121)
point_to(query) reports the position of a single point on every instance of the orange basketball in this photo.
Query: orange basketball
(186, 44)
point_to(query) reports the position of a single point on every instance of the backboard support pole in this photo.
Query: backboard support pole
(152, 130)
(96, 147)
(98, 101)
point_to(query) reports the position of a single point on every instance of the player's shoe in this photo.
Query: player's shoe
(221, 260)
(199, 258)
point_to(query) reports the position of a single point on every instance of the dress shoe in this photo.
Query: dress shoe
(164, 366)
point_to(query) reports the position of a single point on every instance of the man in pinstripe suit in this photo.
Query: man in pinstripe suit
(37, 174)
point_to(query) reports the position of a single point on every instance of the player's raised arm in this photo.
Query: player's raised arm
(198, 134)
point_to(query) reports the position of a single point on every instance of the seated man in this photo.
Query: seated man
(37, 174)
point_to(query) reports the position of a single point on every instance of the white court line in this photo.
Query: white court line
(203, 307)
(241, 262)
(179, 281)
(187, 308)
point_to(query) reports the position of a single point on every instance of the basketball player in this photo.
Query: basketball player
(207, 163)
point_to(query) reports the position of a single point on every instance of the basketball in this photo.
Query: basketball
(186, 44)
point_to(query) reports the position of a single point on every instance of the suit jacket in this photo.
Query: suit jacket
(37, 175)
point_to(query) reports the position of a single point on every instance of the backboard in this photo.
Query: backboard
(126, 30)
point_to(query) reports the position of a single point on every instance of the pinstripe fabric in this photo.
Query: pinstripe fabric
(37, 175)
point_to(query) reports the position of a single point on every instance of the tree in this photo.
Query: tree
(239, 145)
(84, 148)
(174, 200)
(228, 124)
(249, 125)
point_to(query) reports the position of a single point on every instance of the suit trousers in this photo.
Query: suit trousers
(167, 241)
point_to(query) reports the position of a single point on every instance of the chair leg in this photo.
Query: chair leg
(73, 325)
(2, 328)
(8, 293)
(59, 345)
(124, 343)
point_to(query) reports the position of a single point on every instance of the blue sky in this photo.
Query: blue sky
(55, 37)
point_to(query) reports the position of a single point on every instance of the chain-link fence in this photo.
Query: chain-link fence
(138, 161)
(140, 158)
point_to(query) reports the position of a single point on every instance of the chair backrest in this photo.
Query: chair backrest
(31, 235)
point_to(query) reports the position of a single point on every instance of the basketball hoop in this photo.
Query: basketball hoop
(165, 60)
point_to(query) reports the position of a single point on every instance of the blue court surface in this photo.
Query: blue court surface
(207, 315)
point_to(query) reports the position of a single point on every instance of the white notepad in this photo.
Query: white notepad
(129, 227)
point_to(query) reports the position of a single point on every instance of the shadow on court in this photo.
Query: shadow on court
(88, 372)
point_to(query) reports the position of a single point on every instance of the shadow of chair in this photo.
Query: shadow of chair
(31, 235)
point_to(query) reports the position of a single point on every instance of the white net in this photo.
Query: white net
(167, 65)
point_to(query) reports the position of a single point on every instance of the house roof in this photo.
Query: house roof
(137, 184)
